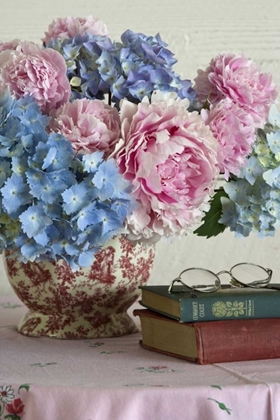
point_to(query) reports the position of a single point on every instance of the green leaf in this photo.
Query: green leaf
(224, 407)
(211, 225)
(25, 386)
(12, 417)
(217, 386)
(221, 405)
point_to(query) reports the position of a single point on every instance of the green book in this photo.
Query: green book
(226, 303)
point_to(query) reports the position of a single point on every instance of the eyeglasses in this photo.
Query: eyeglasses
(203, 280)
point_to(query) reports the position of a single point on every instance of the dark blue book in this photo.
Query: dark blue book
(226, 303)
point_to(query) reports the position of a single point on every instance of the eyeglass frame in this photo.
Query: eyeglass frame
(234, 282)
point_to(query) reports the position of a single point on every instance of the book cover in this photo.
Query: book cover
(213, 341)
(226, 303)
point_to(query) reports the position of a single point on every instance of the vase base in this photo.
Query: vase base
(34, 324)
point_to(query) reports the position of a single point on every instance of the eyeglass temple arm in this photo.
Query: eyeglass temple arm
(256, 282)
(265, 281)
(197, 286)
(177, 280)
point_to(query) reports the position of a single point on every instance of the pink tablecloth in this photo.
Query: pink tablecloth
(115, 379)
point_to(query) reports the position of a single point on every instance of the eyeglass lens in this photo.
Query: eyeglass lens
(248, 273)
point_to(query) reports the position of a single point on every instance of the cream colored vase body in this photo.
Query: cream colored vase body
(89, 303)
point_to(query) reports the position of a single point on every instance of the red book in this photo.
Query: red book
(212, 341)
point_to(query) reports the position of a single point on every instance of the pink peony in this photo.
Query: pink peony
(70, 27)
(32, 71)
(234, 130)
(90, 125)
(170, 157)
(235, 77)
(205, 91)
(9, 45)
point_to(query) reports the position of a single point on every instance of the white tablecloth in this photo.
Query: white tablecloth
(115, 379)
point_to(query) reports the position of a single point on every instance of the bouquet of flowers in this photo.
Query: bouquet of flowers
(100, 138)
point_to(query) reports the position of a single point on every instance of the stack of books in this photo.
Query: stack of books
(231, 324)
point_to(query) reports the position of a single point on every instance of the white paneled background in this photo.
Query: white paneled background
(196, 30)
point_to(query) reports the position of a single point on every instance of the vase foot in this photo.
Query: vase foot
(34, 324)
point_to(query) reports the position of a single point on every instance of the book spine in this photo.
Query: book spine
(240, 340)
(235, 306)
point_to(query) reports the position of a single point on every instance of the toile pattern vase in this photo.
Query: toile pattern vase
(89, 303)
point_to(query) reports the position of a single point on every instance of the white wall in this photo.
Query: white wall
(196, 30)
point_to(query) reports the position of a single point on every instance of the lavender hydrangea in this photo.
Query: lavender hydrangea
(130, 69)
(54, 204)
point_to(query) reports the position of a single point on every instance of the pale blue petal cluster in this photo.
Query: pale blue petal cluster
(54, 204)
(253, 203)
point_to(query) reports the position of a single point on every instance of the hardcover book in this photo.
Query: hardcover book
(213, 341)
(226, 303)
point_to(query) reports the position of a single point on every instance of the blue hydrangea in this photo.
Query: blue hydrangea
(253, 203)
(55, 204)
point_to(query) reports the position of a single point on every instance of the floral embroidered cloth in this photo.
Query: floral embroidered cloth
(115, 379)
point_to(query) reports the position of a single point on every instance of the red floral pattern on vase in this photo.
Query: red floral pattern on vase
(89, 303)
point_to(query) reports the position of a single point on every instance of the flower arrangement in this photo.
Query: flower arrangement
(100, 138)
